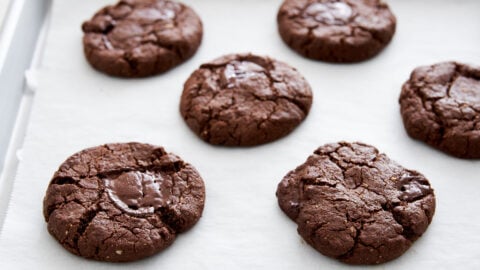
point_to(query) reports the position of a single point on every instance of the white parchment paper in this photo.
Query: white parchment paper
(242, 227)
(3, 10)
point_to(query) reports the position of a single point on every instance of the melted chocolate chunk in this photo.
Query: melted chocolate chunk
(336, 13)
(413, 187)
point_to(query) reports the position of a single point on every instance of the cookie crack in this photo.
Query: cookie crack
(373, 34)
(314, 182)
(53, 207)
(65, 180)
(173, 167)
(169, 217)
(205, 126)
(310, 38)
(169, 168)
(407, 232)
(97, 248)
(456, 74)
(356, 241)
(159, 42)
(277, 96)
(126, 14)
(441, 120)
(315, 229)
(85, 221)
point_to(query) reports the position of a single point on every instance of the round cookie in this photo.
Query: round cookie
(122, 202)
(341, 31)
(354, 204)
(440, 105)
(139, 38)
(244, 100)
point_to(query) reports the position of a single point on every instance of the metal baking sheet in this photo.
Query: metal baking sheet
(19, 29)
(242, 227)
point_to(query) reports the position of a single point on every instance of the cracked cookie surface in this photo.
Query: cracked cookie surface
(139, 38)
(244, 100)
(122, 202)
(340, 31)
(440, 105)
(354, 204)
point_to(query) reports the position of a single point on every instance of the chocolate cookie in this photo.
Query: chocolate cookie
(440, 105)
(122, 202)
(356, 205)
(244, 100)
(138, 38)
(336, 30)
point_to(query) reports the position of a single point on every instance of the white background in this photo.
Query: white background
(3, 10)
(242, 227)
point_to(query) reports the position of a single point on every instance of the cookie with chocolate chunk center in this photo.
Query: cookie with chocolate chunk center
(244, 100)
(139, 38)
(341, 31)
(122, 202)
